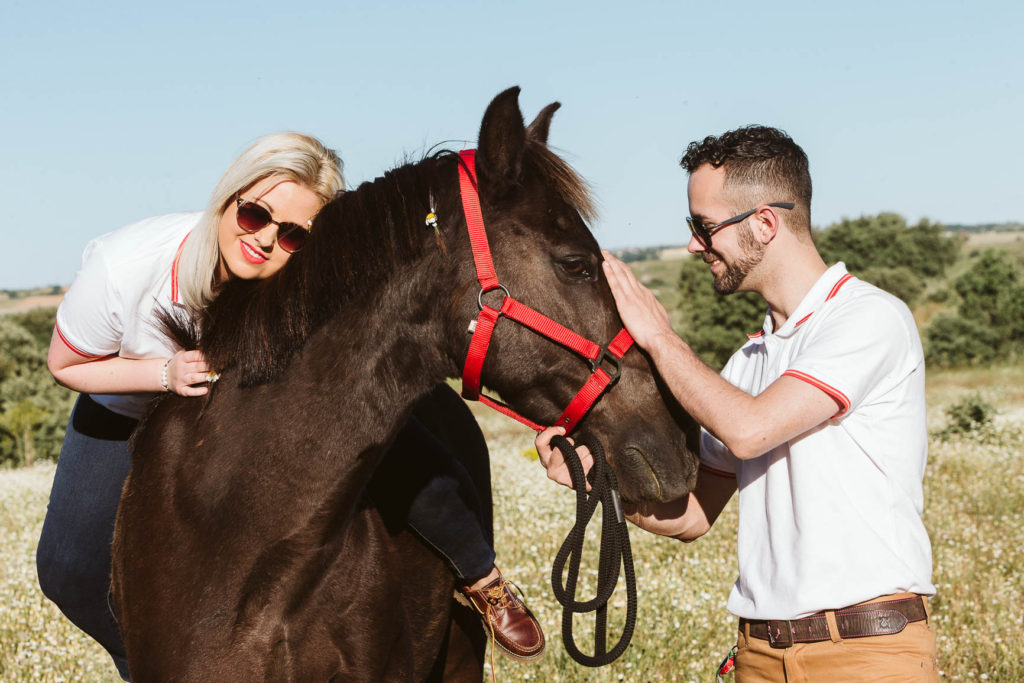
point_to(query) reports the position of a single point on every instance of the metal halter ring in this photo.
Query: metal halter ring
(480, 296)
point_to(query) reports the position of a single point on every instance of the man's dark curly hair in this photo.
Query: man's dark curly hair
(762, 165)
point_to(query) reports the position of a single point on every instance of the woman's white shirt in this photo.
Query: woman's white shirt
(127, 277)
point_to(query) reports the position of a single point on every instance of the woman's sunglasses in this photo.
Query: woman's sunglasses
(252, 217)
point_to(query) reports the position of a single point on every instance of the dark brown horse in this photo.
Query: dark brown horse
(245, 546)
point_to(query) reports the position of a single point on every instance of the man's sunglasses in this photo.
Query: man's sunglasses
(252, 217)
(703, 233)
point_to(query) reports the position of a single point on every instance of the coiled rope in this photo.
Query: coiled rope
(615, 552)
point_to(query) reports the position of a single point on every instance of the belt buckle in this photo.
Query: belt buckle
(775, 631)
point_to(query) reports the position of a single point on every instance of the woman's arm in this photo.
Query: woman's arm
(116, 375)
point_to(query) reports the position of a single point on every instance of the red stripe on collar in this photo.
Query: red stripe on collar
(174, 271)
(835, 289)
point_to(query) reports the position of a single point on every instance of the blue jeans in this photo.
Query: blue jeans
(73, 556)
(437, 493)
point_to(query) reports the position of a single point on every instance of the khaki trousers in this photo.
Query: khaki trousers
(905, 656)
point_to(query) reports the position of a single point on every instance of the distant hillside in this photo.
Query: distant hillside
(676, 251)
(985, 227)
(21, 300)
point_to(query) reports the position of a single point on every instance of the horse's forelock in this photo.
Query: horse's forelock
(569, 185)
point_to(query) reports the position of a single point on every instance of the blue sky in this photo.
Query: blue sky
(116, 111)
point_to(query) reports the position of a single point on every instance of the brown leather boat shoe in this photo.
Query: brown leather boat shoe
(510, 623)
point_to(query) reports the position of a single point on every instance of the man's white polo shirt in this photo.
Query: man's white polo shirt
(833, 517)
(127, 277)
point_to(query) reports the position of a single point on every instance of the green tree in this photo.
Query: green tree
(989, 324)
(886, 252)
(21, 420)
(885, 240)
(991, 293)
(952, 340)
(715, 326)
(38, 322)
(33, 408)
(899, 281)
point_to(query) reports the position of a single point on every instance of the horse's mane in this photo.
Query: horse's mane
(358, 239)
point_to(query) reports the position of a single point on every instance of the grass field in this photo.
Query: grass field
(974, 490)
(974, 504)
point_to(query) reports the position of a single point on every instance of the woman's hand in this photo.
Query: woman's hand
(185, 370)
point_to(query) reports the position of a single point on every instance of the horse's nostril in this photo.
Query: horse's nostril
(635, 465)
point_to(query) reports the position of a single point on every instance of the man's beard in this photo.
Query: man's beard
(735, 273)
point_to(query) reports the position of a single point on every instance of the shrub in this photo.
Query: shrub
(885, 241)
(989, 324)
(899, 281)
(991, 293)
(33, 408)
(970, 414)
(951, 340)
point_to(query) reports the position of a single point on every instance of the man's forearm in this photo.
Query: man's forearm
(682, 519)
(718, 406)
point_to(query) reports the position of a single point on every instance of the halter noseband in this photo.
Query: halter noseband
(600, 380)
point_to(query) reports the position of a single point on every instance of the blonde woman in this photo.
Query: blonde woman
(109, 345)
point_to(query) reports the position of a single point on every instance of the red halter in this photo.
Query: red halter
(600, 379)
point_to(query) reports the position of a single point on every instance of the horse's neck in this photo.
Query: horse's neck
(370, 363)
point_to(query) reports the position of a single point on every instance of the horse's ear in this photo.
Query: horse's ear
(538, 130)
(502, 137)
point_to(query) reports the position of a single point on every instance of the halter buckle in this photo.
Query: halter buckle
(614, 368)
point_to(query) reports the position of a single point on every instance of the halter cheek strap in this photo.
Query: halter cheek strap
(604, 361)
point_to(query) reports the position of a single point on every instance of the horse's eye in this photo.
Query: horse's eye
(576, 267)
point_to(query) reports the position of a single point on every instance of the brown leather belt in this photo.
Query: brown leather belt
(872, 619)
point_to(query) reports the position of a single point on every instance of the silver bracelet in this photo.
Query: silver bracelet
(163, 374)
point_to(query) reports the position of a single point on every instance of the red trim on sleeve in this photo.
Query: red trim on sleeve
(83, 354)
(837, 396)
(835, 288)
(174, 271)
(721, 473)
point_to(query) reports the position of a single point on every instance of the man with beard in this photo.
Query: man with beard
(818, 421)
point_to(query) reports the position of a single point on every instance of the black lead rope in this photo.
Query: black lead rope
(615, 552)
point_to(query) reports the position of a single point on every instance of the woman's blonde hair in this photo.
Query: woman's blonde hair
(297, 157)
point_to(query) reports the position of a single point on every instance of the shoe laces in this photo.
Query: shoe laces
(500, 597)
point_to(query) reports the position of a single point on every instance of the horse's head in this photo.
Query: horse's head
(534, 207)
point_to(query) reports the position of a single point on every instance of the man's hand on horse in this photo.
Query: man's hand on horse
(642, 314)
(553, 460)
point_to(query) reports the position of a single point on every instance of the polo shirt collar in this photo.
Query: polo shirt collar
(175, 290)
(824, 289)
